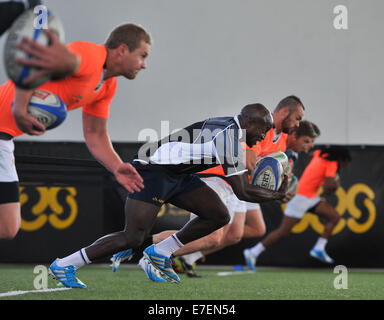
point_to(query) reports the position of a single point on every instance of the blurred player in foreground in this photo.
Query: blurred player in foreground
(322, 171)
(92, 86)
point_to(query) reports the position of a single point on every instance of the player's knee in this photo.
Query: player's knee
(260, 231)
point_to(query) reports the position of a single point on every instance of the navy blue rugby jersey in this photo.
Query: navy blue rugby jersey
(200, 146)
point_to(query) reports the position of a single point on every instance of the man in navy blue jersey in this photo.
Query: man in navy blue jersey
(169, 169)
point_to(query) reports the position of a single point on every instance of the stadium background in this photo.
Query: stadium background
(210, 58)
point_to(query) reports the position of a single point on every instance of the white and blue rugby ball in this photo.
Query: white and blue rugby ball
(30, 24)
(47, 108)
(268, 173)
(283, 159)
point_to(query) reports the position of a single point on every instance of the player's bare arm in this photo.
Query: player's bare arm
(248, 192)
(251, 159)
(99, 144)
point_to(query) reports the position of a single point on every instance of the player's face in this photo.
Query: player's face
(135, 61)
(304, 144)
(258, 131)
(292, 120)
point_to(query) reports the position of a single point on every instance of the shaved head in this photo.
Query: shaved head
(255, 111)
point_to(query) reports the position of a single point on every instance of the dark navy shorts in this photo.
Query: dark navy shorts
(160, 185)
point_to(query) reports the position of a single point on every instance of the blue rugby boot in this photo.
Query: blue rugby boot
(152, 273)
(161, 263)
(120, 257)
(66, 275)
(321, 255)
(249, 259)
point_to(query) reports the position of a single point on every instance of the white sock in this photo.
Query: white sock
(168, 246)
(320, 244)
(257, 249)
(192, 257)
(77, 259)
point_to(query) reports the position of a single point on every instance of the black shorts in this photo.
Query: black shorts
(9, 192)
(160, 185)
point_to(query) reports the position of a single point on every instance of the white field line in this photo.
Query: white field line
(17, 293)
(231, 273)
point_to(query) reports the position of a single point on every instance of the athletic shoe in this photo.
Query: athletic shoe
(66, 275)
(120, 257)
(321, 255)
(152, 273)
(161, 263)
(188, 269)
(249, 259)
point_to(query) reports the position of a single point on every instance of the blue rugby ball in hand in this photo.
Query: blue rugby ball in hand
(268, 173)
(30, 24)
(48, 108)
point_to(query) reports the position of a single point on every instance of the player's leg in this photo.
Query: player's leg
(127, 254)
(232, 232)
(329, 213)
(139, 219)
(254, 223)
(9, 220)
(251, 254)
(10, 216)
(211, 215)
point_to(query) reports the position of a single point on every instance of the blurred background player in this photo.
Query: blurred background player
(92, 87)
(301, 139)
(286, 117)
(322, 171)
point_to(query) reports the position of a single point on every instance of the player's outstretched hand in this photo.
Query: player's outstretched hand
(128, 177)
(54, 60)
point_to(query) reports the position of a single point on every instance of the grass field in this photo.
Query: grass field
(130, 283)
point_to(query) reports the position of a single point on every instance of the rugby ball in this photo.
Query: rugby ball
(283, 159)
(268, 173)
(30, 25)
(47, 108)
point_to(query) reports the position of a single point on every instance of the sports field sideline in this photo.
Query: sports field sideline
(217, 283)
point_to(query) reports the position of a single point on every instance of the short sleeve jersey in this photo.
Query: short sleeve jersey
(315, 173)
(202, 145)
(271, 143)
(85, 88)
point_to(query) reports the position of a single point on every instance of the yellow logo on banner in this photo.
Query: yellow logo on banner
(48, 209)
(346, 202)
